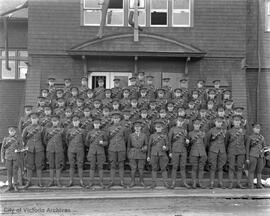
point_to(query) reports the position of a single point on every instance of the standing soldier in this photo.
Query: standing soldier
(84, 87)
(236, 138)
(133, 88)
(60, 108)
(206, 123)
(184, 88)
(255, 155)
(32, 137)
(86, 120)
(202, 90)
(167, 89)
(45, 121)
(137, 148)
(105, 120)
(141, 80)
(143, 101)
(89, 98)
(198, 155)
(125, 101)
(67, 88)
(134, 110)
(211, 110)
(161, 101)
(157, 154)
(107, 101)
(78, 107)
(51, 87)
(165, 121)
(59, 94)
(96, 112)
(171, 112)
(96, 140)
(53, 139)
(178, 139)
(178, 99)
(195, 97)
(145, 123)
(25, 120)
(75, 142)
(151, 89)
(117, 148)
(116, 90)
(99, 92)
(71, 101)
(10, 146)
(217, 157)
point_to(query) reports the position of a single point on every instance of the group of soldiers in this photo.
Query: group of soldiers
(139, 123)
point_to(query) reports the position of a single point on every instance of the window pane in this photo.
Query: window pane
(118, 4)
(181, 18)
(160, 4)
(141, 17)
(10, 53)
(268, 23)
(158, 18)
(92, 4)
(115, 17)
(140, 4)
(8, 74)
(181, 4)
(92, 17)
(22, 70)
(23, 53)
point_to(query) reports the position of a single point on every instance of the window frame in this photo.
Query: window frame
(179, 10)
(159, 10)
(267, 15)
(140, 9)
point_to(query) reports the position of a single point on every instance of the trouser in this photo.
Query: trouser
(12, 171)
(256, 165)
(216, 162)
(239, 161)
(198, 163)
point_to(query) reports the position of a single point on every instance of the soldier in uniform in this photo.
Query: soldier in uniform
(167, 89)
(78, 107)
(184, 87)
(60, 108)
(178, 140)
(136, 149)
(96, 112)
(133, 88)
(40, 106)
(195, 97)
(192, 110)
(105, 119)
(255, 155)
(134, 109)
(53, 139)
(236, 151)
(32, 137)
(161, 101)
(239, 111)
(178, 99)
(117, 147)
(165, 121)
(125, 101)
(211, 110)
(153, 112)
(71, 101)
(217, 157)
(25, 120)
(171, 112)
(141, 80)
(75, 138)
(67, 88)
(116, 90)
(45, 121)
(46, 96)
(212, 96)
(99, 92)
(158, 146)
(197, 154)
(202, 90)
(226, 95)
(115, 105)
(96, 140)
(145, 123)
(51, 87)
(151, 89)
(107, 101)
(143, 101)
(84, 87)
(218, 90)
(10, 146)
(86, 120)
(206, 123)
(59, 94)
(89, 98)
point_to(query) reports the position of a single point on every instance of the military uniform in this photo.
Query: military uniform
(179, 100)
(84, 87)
(71, 101)
(116, 90)
(67, 88)
(99, 92)
(133, 89)
(151, 89)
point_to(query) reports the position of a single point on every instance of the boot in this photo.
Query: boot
(231, 179)
(259, 181)
(250, 180)
(239, 177)
(183, 177)
(220, 179)
(200, 177)
(100, 173)
(165, 179)
(9, 188)
(92, 176)
(132, 183)
(193, 176)
(29, 178)
(173, 177)
(16, 189)
(154, 180)
(51, 178)
(80, 171)
(112, 178)
(121, 174)
(71, 177)
(141, 178)
(39, 175)
(58, 174)
(212, 179)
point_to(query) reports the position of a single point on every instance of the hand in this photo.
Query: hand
(16, 151)
(2, 160)
(101, 142)
(170, 155)
(247, 161)
(187, 141)
(148, 159)
(164, 148)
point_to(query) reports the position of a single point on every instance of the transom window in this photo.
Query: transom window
(151, 13)
(17, 63)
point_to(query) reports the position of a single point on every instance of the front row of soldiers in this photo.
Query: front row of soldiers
(217, 146)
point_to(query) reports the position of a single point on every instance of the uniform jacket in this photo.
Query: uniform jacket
(117, 138)
(75, 139)
(255, 145)
(236, 141)
(116, 92)
(216, 140)
(9, 145)
(135, 144)
(177, 139)
(156, 142)
(93, 138)
(53, 139)
(99, 93)
(32, 136)
(198, 143)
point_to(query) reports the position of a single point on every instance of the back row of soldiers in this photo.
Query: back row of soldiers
(139, 123)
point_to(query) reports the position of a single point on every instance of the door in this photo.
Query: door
(108, 78)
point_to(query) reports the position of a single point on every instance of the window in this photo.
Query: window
(181, 13)
(159, 13)
(92, 12)
(267, 16)
(115, 14)
(141, 11)
(17, 63)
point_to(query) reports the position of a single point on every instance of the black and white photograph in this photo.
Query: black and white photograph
(135, 107)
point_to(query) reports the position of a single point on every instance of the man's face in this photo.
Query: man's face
(141, 76)
(144, 115)
(218, 124)
(27, 111)
(183, 84)
(86, 113)
(51, 82)
(221, 113)
(55, 123)
(228, 106)
(170, 108)
(162, 115)
(256, 130)
(212, 96)
(143, 94)
(210, 106)
(196, 126)
(96, 105)
(226, 96)
(137, 128)
(236, 122)
(149, 82)
(116, 84)
(48, 112)
(79, 103)
(11, 131)
(74, 92)
(100, 84)
(68, 113)
(178, 94)
(199, 85)
(134, 103)
(76, 123)
(90, 94)
(108, 94)
(96, 125)
(126, 94)
(34, 120)
(59, 94)
(179, 122)
(61, 103)
(160, 94)
(126, 116)
(181, 112)
(203, 114)
(44, 94)
(195, 96)
(191, 106)
(158, 128)
(217, 85)
(115, 106)
(84, 82)
(116, 119)
(67, 83)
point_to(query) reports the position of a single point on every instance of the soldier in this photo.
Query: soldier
(75, 141)
(105, 120)
(184, 88)
(60, 108)
(178, 98)
(152, 112)
(134, 110)
(116, 90)
(51, 87)
(133, 89)
(195, 97)
(40, 106)
(255, 155)
(239, 111)
(206, 123)
(99, 92)
(151, 89)
(96, 112)
(143, 101)
(218, 90)
(89, 98)
(226, 122)
(228, 108)
(127, 123)
(161, 101)
(226, 95)
(45, 121)
(137, 148)
(71, 101)
(59, 94)
(67, 88)
(25, 120)
(107, 101)
(171, 112)
(165, 121)
(117, 148)
(53, 139)
(46, 96)
(197, 154)
(212, 96)
(96, 139)
(167, 89)
(32, 137)
(211, 110)
(236, 151)
(10, 146)
(178, 140)
(141, 80)
(217, 157)
(86, 120)
(158, 146)
(84, 87)
(202, 90)
(115, 105)
(192, 111)
(125, 101)
(78, 107)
